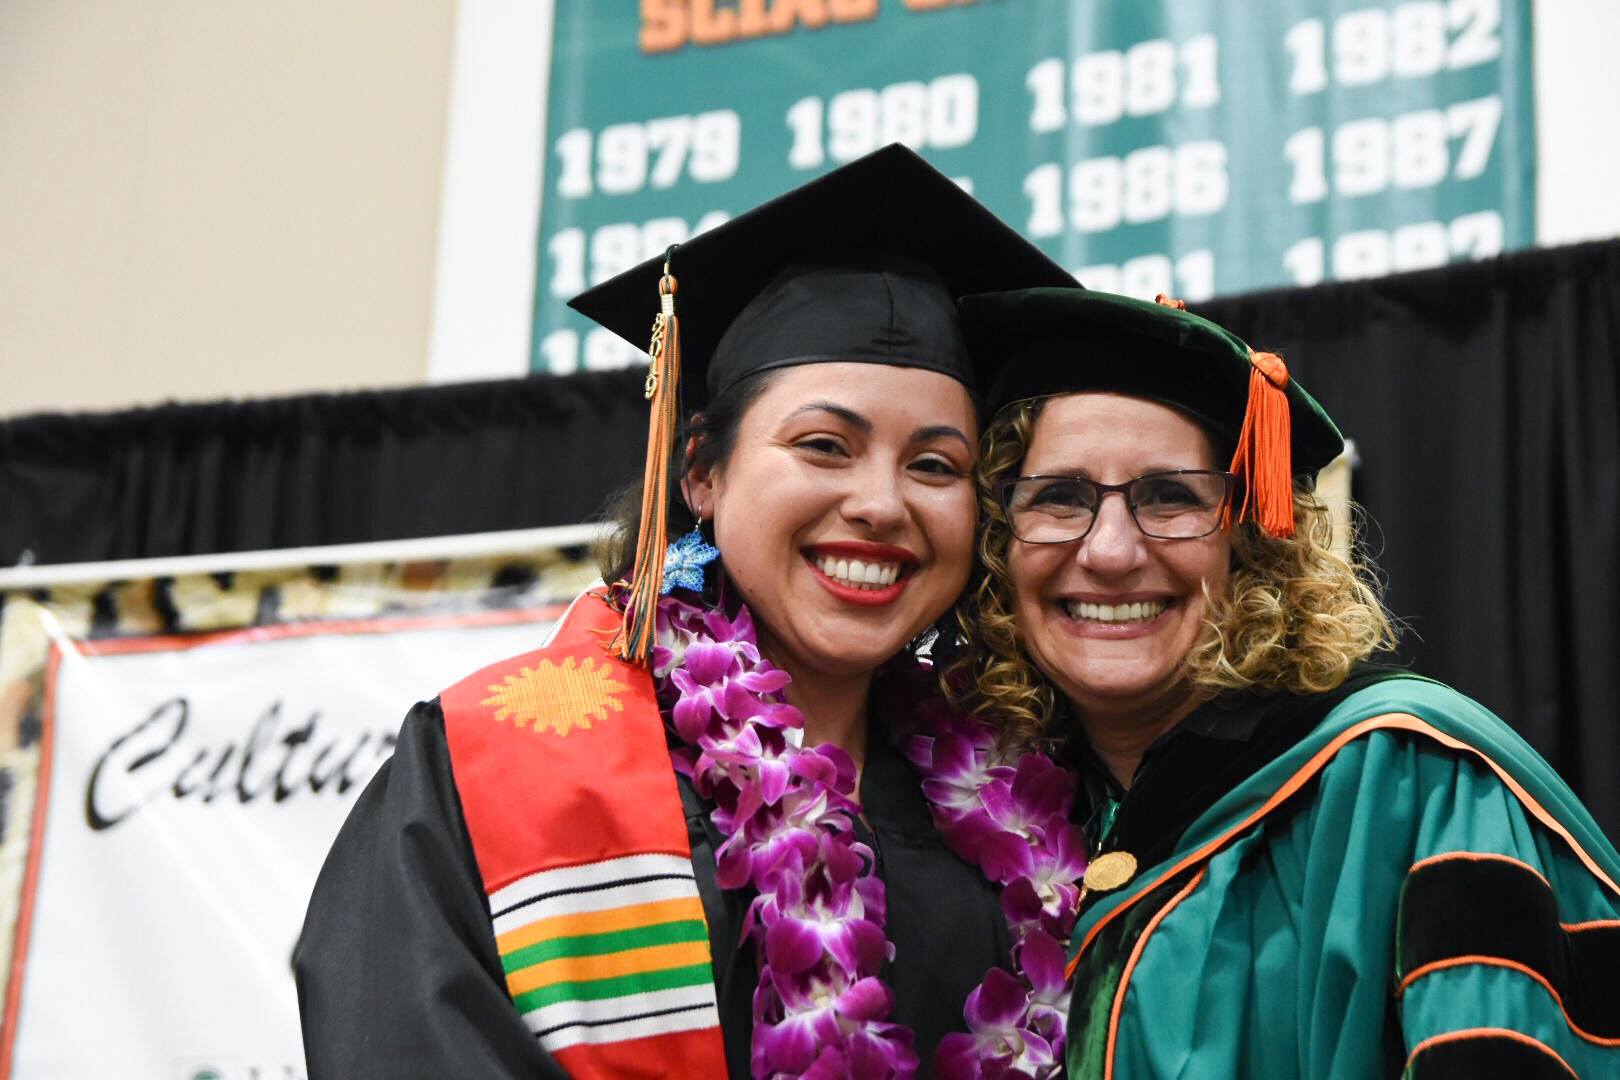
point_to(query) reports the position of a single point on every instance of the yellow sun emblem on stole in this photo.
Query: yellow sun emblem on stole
(557, 696)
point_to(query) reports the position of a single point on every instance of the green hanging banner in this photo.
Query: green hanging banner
(1195, 148)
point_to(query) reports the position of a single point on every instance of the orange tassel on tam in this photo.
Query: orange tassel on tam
(1264, 460)
(634, 640)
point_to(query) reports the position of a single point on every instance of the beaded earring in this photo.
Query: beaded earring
(685, 560)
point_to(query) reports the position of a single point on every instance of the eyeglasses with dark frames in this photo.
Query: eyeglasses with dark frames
(1183, 504)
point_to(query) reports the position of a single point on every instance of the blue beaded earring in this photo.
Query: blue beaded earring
(685, 559)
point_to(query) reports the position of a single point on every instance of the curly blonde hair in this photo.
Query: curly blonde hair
(1296, 616)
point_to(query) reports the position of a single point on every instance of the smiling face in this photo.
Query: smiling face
(845, 511)
(1109, 618)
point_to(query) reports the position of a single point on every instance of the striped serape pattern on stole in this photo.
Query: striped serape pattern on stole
(577, 827)
(607, 951)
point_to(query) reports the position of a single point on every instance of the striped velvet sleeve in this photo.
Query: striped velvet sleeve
(1507, 948)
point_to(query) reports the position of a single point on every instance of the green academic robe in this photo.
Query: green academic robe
(1401, 886)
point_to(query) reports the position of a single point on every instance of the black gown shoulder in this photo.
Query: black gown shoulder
(398, 974)
(397, 971)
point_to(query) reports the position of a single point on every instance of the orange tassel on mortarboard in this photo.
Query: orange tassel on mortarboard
(1264, 457)
(634, 639)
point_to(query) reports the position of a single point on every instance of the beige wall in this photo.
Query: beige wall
(216, 198)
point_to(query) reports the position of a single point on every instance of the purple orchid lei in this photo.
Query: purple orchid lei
(1010, 818)
(820, 1010)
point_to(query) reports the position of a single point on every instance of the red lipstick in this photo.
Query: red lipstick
(867, 552)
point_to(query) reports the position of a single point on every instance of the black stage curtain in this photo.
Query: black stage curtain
(318, 469)
(1484, 401)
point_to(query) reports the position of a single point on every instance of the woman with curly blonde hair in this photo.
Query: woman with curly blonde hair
(1302, 863)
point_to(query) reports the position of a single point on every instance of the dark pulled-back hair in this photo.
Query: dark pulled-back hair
(713, 435)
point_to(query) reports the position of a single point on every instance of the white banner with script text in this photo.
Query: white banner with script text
(186, 788)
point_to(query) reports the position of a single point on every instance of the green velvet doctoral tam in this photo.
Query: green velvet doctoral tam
(1404, 889)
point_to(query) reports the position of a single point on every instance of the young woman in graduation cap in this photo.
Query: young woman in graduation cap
(683, 838)
(1302, 864)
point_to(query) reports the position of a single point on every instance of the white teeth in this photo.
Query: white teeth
(1114, 613)
(858, 574)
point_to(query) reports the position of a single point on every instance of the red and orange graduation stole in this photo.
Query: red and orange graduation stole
(577, 827)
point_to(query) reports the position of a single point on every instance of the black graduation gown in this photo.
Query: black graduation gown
(398, 974)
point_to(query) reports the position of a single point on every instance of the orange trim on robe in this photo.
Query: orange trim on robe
(1130, 966)
(1388, 722)
(1488, 1033)
(1512, 965)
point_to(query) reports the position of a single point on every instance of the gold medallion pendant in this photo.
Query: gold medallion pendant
(1109, 871)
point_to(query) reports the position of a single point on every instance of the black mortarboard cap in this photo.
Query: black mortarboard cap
(861, 264)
